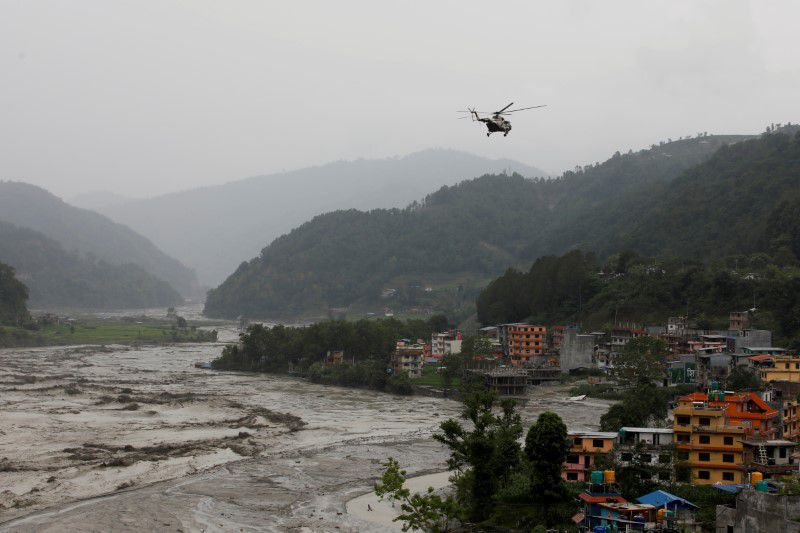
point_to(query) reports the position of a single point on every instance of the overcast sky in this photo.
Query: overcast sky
(145, 97)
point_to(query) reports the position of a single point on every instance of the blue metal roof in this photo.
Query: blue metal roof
(661, 498)
(733, 487)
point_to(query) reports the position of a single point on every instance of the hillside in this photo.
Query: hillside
(57, 278)
(88, 232)
(13, 298)
(213, 229)
(463, 235)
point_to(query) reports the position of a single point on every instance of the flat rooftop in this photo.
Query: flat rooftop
(593, 434)
(647, 430)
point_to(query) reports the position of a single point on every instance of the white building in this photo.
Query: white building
(445, 343)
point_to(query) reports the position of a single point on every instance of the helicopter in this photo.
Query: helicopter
(496, 123)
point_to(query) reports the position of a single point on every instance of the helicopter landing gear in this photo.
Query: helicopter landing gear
(489, 134)
(505, 134)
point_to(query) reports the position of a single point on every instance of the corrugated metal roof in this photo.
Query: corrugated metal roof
(660, 498)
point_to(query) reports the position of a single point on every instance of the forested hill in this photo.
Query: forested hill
(460, 234)
(88, 232)
(724, 235)
(57, 278)
(13, 298)
(219, 227)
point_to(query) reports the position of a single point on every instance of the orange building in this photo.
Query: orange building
(524, 341)
(709, 430)
(585, 448)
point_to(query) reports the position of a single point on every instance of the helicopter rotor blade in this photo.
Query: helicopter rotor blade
(523, 108)
(506, 107)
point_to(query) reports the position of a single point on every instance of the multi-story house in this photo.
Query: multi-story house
(408, 357)
(709, 430)
(739, 320)
(646, 447)
(621, 335)
(773, 458)
(781, 368)
(586, 447)
(445, 343)
(790, 418)
(557, 337)
(523, 342)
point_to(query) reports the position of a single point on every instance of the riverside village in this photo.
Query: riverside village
(733, 425)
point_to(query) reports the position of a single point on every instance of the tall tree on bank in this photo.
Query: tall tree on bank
(641, 362)
(13, 298)
(546, 449)
(486, 455)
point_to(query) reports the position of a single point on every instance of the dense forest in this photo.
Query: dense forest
(58, 278)
(90, 234)
(458, 236)
(367, 345)
(13, 298)
(575, 288)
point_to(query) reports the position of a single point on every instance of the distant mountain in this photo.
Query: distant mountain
(57, 278)
(216, 228)
(456, 239)
(87, 232)
(99, 200)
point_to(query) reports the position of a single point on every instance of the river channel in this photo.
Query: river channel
(137, 439)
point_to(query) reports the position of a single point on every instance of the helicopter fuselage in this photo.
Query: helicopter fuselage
(496, 124)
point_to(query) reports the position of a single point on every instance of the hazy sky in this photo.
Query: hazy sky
(145, 97)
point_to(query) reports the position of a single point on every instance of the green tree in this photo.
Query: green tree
(641, 362)
(741, 379)
(13, 298)
(484, 455)
(425, 512)
(546, 449)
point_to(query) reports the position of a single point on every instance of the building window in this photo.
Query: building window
(703, 474)
(727, 457)
(577, 441)
(704, 456)
(572, 476)
(705, 439)
(683, 420)
(597, 443)
(572, 459)
(664, 458)
(782, 453)
(663, 476)
(627, 456)
(705, 421)
(728, 441)
(727, 476)
(646, 458)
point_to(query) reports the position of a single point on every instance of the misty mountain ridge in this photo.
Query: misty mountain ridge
(215, 228)
(99, 199)
(459, 236)
(57, 278)
(87, 232)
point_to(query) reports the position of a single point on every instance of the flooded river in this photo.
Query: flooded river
(133, 439)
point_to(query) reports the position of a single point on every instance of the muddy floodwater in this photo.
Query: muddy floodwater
(137, 439)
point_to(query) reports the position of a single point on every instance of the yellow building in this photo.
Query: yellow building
(784, 368)
(790, 414)
(708, 443)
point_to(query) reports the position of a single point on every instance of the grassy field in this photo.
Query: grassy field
(101, 332)
(431, 378)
